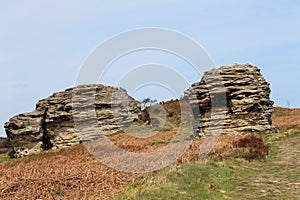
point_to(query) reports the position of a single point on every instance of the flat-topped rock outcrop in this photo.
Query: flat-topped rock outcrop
(244, 101)
(51, 125)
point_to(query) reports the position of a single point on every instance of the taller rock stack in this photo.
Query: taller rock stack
(242, 101)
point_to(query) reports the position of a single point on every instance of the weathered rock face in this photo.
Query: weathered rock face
(231, 99)
(52, 124)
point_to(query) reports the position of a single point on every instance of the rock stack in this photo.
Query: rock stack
(52, 124)
(231, 99)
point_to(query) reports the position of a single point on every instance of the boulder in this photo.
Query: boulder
(94, 110)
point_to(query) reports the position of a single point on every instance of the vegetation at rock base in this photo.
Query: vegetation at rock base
(227, 173)
(4, 157)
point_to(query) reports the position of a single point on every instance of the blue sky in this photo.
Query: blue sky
(43, 43)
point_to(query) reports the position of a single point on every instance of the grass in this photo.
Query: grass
(233, 178)
(4, 157)
(59, 192)
(286, 132)
(165, 129)
(72, 173)
(188, 181)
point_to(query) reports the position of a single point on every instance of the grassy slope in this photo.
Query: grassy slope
(73, 173)
(276, 177)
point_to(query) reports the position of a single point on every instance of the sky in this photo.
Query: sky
(44, 43)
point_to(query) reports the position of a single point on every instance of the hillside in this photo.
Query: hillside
(274, 177)
(73, 173)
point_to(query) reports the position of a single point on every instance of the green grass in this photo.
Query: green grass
(230, 179)
(188, 181)
(4, 157)
(165, 129)
(287, 132)
(59, 192)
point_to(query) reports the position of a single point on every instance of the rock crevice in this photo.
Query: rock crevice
(45, 139)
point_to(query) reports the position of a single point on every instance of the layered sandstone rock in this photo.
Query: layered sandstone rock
(93, 109)
(231, 99)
